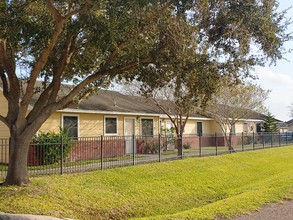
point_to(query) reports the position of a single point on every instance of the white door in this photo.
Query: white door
(169, 135)
(129, 131)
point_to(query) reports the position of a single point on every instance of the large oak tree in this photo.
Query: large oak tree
(87, 43)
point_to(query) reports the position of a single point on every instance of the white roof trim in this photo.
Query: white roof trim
(105, 112)
(163, 116)
(123, 113)
(250, 120)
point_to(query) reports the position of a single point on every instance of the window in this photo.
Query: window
(233, 129)
(111, 125)
(199, 128)
(70, 125)
(245, 127)
(147, 127)
(258, 127)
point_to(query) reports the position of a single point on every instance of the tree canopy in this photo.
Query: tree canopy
(88, 43)
(234, 102)
(270, 124)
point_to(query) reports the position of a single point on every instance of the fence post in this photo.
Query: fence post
(133, 149)
(242, 141)
(101, 152)
(200, 145)
(253, 146)
(271, 139)
(286, 138)
(216, 143)
(62, 155)
(279, 139)
(159, 137)
(263, 140)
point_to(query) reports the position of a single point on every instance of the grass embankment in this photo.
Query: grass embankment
(195, 188)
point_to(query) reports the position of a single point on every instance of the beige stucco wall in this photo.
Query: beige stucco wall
(4, 131)
(215, 128)
(208, 127)
(238, 127)
(92, 125)
(191, 126)
(52, 123)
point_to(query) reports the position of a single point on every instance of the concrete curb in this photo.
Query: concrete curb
(5, 216)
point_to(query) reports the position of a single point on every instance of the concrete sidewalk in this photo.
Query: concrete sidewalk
(274, 211)
(5, 216)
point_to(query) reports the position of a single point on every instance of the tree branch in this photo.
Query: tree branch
(50, 93)
(4, 120)
(42, 60)
(11, 90)
(4, 83)
(54, 12)
(85, 6)
(8, 65)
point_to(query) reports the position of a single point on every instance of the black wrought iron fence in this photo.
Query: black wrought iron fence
(58, 156)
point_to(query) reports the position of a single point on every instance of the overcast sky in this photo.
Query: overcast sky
(279, 78)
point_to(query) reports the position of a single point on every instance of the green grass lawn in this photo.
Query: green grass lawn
(193, 188)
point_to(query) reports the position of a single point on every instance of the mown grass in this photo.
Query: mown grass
(194, 188)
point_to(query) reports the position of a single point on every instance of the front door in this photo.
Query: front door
(170, 135)
(129, 131)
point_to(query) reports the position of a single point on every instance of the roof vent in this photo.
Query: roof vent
(115, 104)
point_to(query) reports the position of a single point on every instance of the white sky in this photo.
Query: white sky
(279, 78)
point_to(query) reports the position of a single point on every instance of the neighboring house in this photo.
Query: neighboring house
(283, 127)
(290, 125)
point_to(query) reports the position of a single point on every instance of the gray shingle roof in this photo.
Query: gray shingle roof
(107, 100)
(289, 122)
(113, 101)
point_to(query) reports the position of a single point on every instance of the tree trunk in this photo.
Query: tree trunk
(180, 146)
(230, 147)
(17, 173)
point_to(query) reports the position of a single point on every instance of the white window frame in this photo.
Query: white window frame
(141, 124)
(110, 134)
(71, 115)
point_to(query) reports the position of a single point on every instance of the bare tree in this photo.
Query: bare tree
(182, 93)
(233, 102)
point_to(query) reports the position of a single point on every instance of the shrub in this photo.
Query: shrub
(48, 146)
(151, 147)
(186, 145)
(247, 140)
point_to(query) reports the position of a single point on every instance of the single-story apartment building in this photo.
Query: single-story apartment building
(111, 113)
